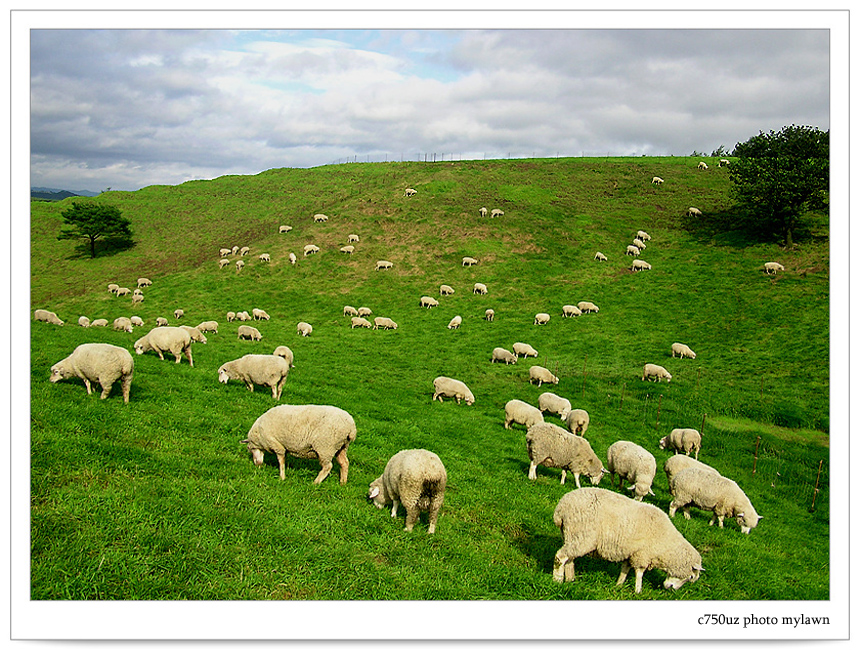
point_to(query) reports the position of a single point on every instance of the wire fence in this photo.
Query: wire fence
(434, 157)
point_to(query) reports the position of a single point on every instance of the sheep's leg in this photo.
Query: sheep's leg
(281, 467)
(177, 356)
(563, 476)
(394, 505)
(412, 515)
(161, 355)
(325, 471)
(188, 354)
(126, 388)
(576, 479)
(106, 390)
(435, 505)
(639, 573)
(625, 569)
(533, 470)
(343, 461)
(88, 385)
(249, 385)
(563, 567)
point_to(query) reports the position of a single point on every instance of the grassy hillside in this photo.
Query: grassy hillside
(156, 499)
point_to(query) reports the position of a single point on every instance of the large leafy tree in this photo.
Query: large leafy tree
(779, 177)
(93, 222)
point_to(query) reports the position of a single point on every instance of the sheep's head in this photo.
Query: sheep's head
(256, 452)
(748, 521)
(375, 493)
(58, 372)
(676, 582)
(139, 346)
(223, 375)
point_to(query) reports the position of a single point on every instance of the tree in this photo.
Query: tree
(93, 222)
(779, 177)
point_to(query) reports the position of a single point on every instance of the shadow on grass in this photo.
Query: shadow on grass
(105, 248)
(735, 229)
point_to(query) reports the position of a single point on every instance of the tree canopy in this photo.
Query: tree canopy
(779, 177)
(92, 222)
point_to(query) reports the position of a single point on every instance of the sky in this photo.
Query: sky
(127, 108)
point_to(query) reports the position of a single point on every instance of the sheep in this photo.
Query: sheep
(97, 362)
(658, 372)
(166, 339)
(137, 292)
(551, 446)
(702, 166)
(304, 431)
(240, 264)
(416, 478)
(577, 421)
(352, 239)
(248, 332)
(772, 267)
(123, 291)
(524, 349)
(243, 316)
(489, 315)
(208, 326)
(235, 250)
(522, 413)
(284, 352)
(429, 302)
(710, 491)
(349, 250)
(633, 464)
(383, 265)
(231, 316)
(678, 462)
(587, 307)
(455, 323)
(638, 243)
(305, 329)
(224, 252)
(656, 181)
(83, 321)
(469, 261)
(644, 236)
(497, 213)
(160, 322)
(136, 321)
(292, 258)
(682, 351)
(178, 313)
(143, 282)
(382, 322)
(259, 314)
(616, 528)
(284, 229)
(632, 250)
(694, 212)
(570, 311)
(195, 334)
(222, 263)
(724, 162)
(541, 318)
(640, 265)
(358, 321)
(500, 354)
(136, 299)
(365, 311)
(311, 249)
(320, 218)
(99, 322)
(480, 288)
(411, 192)
(122, 324)
(554, 404)
(112, 288)
(261, 369)
(483, 212)
(541, 375)
(685, 440)
(264, 257)
(600, 257)
(445, 290)
(349, 310)
(447, 387)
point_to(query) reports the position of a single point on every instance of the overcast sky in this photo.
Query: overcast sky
(130, 108)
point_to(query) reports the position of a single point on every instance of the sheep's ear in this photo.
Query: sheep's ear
(604, 470)
(651, 492)
(700, 567)
(632, 487)
(373, 493)
(244, 442)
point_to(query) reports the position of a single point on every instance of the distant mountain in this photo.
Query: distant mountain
(53, 194)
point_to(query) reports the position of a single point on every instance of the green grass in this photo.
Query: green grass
(158, 500)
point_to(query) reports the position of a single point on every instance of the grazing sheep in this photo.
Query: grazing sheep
(123, 291)
(480, 288)
(644, 236)
(112, 288)
(411, 192)
(352, 239)
(656, 181)
(99, 322)
(489, 315)
(710, 491)
(483, 212)
(358, 321)
(284, 229)
(160, 322)
(772, 267)
(455, 323)
(222, 263)
(195, 334)
(137, 292)
(208, 326)
(240, 264)
(305, 329)
(97, 362)
(541, 318)
(724, 162)
(224, 252)
(248, 332)
(231, 316)
(447, 387)
(633, 464)
(497, 213)
(264, 257)
(244, 316)
(600, 257)
(261, 369)
(136, 321)
(522, 413)
(551, 446)
(469, 261)
(382, 322)
(678, 462)
(587, 307)
(638, 243)
(83, 321)
(632, 250)
(311, 249)
(166, 339)
(122, 324)
(570, 311)
(640, 265)
(429, 302)
(320, 218)
(292, 258)
(178, 313)
(143, 282)
(702, 166)
(259, 314)
(685, 440)
(658, 372)
(349, 250)
(136, 299)
(349, 310)
(524, 349)
(416, 478)
(383, 265)
(618, 529)
(304, 431)
(284, 352)
(682, 351)
(445, 290)
(365, 311)
(500, 354)
(235, 250)
(694, 212)
(541, 375)
(554, 404)
(577, 421)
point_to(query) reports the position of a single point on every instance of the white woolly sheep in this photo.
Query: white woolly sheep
(383, 265)
(160, 322)
(469, 261)
(144, 282)
(208, 326)
(292, 258)
(656, 181)
(136, 299)
(349, 250)
(112, 288)
(365, 311)
(416, 478)
(724, 162)
(231, 316)
(702, 166)
(284, 229)
(632, 250)
(521, 412)
(658, 372)
(447, 387)
(480, 288)
(445, 290)
(577, 421)
(261, 369)
(352, 239)
(772, 267)
(222, 263)
(541, 375)
(685, 440)
(320, 218)
(638, 243)
(594, 521)
(83, 321)
(682, 351)
(587, 307)
(694, 212)
(285, 353)
(570, 311)
(349, 310)
(122, 324)
(240, 264)
(136, 321)
(243, 316)
(455, 323)
(259, 314)
(178, 313)
(235, 250)
(497, 213)
(358, 321)
(524, 349)
(600, 257)
(382, 322)
(264, 257)
(679, 462)
(640, 265)
(429, 302)
(500, 354)
(554, 404)
(411, 192)
(633, 464)
(137, 292)
(710, 491)
(123, 291)
(551, 446)
(304, 431)
(305, 329)
(541, 318)
(483, 212)
(311, 249)
(195, 334)
(489, 315)
(166, 339)
(224, 252)
(99, 322)
(97, 362)
(248, 332)
(644, 236)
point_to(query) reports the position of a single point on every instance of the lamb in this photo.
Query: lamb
(541, 375)
(224, 252)
(469, 261)
(136, 321)
(554, 404)
(678, 463)
(570, 311)
(497, 213)
(311, 249)
(724, 162)
(352, 239)
(178, 313)
(411, 192)
(143, 282)
(382, 322)
(304, 431)
(137, 292)
(694, 212)
(577, 421)
(587, 307)
(99, 322)
(455, 323)
(122, 324)
(235, 250)
(500, 354)
(259, 314)
(702, 166)
(208, 326)
(656, 181)
(261, 369)
(292, 258)
(600, 257)
(166, 339)
(240, 264)
(551, 446)
(358, 321)
(222, 263)
(284, 229)
(136, 299)
(305, 329)
(616, 528)
(685, 440)
(320, 218)
(480, 288)
(383, 265)
(349, 310)
(97, 362)
(633, 464)
(83, 321)
(264, 257)
(644, 236)
(522, 413)
(123, 291)
(243, 316)
(632, 250)
(349, 250)
(429, 302)
(284, 352)
(710, 491)
(524, 349)
(445, 290)
(416, 478)
(682, 351)
(772, 267)
(112, 288)
(231, 316)
(161, 322)
(483, 212)
(489, 315)
(640, 265)
(638, 243)
(447, 387)
(248, 332)
(195, 334)
(653, 370)
(45, 316)
(541, 318)
(365, 311)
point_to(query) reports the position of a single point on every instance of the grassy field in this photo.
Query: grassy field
(158, 500)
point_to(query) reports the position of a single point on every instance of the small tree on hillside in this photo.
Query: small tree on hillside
(93, 222)
(779, 177)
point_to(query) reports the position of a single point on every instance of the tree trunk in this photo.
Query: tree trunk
(789, 243)
(92, 247)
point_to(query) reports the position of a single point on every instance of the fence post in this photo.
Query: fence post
(702, 431)
(815, 493)
(755, 461)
